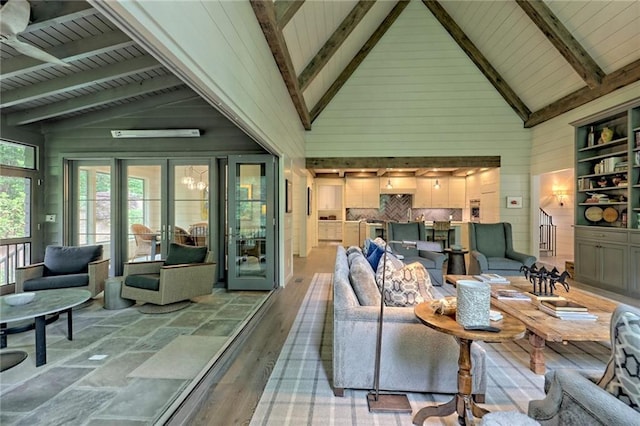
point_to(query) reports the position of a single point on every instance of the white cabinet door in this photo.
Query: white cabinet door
(329, 197)
(353, 193)
(457, 192)
(370, 193)
(422, 197)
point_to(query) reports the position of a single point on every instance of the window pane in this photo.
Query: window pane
(15, 205)
(17, 155)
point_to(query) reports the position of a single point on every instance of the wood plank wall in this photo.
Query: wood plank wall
(418, 94)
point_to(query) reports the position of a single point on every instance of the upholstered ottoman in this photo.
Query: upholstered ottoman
(112, 298)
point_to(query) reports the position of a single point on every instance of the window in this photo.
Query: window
(17, 155)
(136, 197)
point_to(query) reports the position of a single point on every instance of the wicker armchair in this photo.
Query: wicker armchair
(65, 267)
(164, 282)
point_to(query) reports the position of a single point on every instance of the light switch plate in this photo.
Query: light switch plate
(50, 218)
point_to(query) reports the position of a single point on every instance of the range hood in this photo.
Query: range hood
(398, 185)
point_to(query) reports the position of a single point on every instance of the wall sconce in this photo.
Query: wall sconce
(389, 186)
(436, 185)
(560, 196)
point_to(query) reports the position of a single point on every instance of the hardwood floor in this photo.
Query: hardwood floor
(229, 395)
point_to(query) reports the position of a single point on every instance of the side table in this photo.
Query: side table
(462, 403)
(112, 298)
(456, 264)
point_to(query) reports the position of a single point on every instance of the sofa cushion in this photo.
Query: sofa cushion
(144, 281)
(180, 254)
(624, 384)
(490, 239)
(63, 260)
(375, 253)
(56, 281)
(404, 285)
(353, 249)
(363, 282)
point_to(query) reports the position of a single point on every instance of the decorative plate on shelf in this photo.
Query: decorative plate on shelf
(610, 214)
(593, 214)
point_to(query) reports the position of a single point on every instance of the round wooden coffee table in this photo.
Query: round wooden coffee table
(510, 329)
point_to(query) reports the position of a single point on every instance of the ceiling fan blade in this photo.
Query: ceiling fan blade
(32, 51)
(14, 17)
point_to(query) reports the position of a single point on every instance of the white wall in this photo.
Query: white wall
(418, 94)
(219, 49)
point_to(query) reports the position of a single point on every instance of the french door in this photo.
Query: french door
(166, 201)
(250, 223)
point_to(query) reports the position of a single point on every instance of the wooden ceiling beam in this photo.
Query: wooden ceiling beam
(78, 80)
(285, 10)
(400, 162)
(266, 16)
(624, 76)
(358, 58)
(562, 40)
(478, 58)
(334, 42)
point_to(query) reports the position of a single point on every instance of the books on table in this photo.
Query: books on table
(568, 315)
(508, 294)
(564, 306)
(492, 279)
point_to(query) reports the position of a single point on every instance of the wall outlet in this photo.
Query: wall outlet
(50, 218)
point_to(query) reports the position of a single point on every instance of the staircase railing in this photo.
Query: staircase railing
(547, 234)
(12, 256)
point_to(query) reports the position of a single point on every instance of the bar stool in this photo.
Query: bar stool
(441, 231)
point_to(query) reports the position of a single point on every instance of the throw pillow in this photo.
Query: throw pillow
(180, 254)
(363, 282)
(404, 285)
(64, 260)
(375, 253)
(625, 383)
(353, 249)
(367, 246)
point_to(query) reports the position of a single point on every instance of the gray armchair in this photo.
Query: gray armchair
(574, 398)
(187, 272)
(491, 250)
(433, 261)
(63, 267)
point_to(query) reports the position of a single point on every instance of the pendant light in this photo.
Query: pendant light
(436, 185)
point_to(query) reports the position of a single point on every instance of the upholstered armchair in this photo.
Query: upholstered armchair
(491, 250)
(431, 259)
(187, 272)
(575, 398)
(63, 267)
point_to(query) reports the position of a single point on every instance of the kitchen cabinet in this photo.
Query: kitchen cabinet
(362, 193)
(422, 197)
(330, 230)
(329, 197)
(352, 233)
(457, 193)
(440, 196)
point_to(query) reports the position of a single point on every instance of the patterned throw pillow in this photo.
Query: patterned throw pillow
(404, 285)
(625, 383)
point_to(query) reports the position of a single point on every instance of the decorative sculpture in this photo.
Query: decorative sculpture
(538, 277)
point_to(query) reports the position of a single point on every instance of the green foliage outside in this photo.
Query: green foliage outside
(14, 191)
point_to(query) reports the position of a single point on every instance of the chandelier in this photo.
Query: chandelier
(190, 181)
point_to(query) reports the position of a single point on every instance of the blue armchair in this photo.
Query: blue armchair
(432, 260)
(491, 250)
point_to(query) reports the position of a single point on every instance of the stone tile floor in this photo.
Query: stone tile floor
(119, 388)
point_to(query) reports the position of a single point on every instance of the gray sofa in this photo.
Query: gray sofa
(414, 357)
(574, 398)
(431, 258)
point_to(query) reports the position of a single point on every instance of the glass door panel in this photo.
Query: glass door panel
(93, 209)
(144, 212)
(251, 260)
(190, 207)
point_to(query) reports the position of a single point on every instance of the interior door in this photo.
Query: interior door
(250, 226)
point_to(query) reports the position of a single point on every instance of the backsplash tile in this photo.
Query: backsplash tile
(398, 208)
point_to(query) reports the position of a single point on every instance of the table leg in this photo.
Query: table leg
(69, 325)
(41, 341)
(536, 361)
(3, 335)
(462, 403)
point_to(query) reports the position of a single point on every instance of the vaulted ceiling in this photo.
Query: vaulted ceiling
(544, 58)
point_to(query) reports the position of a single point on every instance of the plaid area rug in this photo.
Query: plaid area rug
(299, 390)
